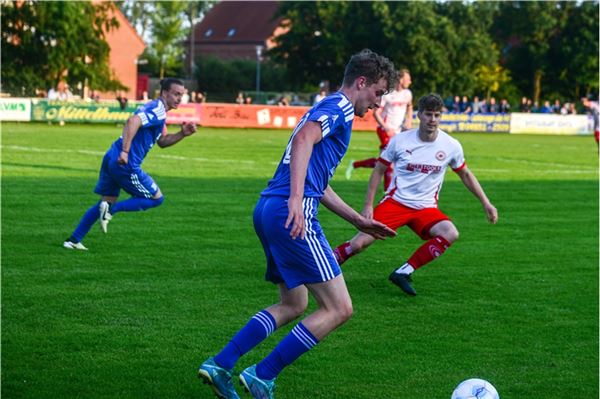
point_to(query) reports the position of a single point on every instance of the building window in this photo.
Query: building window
(231, 32)
(208, 33)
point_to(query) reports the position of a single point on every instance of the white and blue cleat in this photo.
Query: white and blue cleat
(258, 388)
(218, 378)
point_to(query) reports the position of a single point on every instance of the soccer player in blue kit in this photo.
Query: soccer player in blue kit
(121, 165)
(299, 258)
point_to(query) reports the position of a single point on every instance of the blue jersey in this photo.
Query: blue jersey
(154, 117)
(335, 114)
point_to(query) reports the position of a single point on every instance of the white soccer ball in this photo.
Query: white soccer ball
(475, 388)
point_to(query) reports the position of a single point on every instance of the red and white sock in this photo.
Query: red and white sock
(343, 252)
(425, 254)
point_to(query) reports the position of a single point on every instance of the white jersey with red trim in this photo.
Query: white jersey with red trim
(420, 166)
(394, 106)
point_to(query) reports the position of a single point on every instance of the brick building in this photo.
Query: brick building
(233, 29)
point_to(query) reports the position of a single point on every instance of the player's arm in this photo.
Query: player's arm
(378, 117)
(374, 181)
(302, 146)
(471, 182)
(187, 129)
(334, 203)
(130, 129)
(408, 117)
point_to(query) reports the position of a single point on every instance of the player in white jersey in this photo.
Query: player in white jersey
(420, 157)
(394, 116)
(594, 109)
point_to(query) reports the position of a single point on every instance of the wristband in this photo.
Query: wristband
(126, 152)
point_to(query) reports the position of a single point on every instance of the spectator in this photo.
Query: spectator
(240, 98)
(465, 105)
(476, 108)
(185, 99)
(535, 108)
(525, 105)
(546, 109)
(556, 108)
(283, 101)
(455, 107)
(64, 94)
(321, 95)
(483, 107)
(52, 94)
(493, 107)
(248, 100)
(504, 106)
(144, 95)
(122, 101)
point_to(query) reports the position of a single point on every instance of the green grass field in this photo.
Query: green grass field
(515, 303)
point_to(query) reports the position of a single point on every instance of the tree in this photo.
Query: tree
(550, 48)
(47, 42)
(442, 44)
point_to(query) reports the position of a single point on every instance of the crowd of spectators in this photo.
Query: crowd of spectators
(463, 105)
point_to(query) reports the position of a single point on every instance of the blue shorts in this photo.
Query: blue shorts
(293, 262)
(114, 177)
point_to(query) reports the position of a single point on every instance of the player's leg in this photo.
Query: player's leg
(365, 163)
(106, 187)
(388, 212)
(439, 236)
(144, 192)
(335, 308)
(388, 177)
(353, 247)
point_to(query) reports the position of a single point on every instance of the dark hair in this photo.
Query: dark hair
(372, 66)
(166, 83)
(431, 102)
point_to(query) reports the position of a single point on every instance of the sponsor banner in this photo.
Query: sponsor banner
(262, 116)
(184, 113)
(53, 111)
(490, 123)
(15, 109)
(521, 123)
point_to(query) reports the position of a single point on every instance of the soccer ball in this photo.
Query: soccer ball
(475, 388)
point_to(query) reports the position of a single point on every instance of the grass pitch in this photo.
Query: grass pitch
(515, 303)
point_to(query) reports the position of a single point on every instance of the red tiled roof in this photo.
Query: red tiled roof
(238, 22)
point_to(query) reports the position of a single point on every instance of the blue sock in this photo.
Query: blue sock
(260, 326)
(297, 342)
(134, 204)
(86, 223)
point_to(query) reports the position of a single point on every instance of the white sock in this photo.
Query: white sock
(405, 269)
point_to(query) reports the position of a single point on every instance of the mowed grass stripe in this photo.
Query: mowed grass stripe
(515, 303)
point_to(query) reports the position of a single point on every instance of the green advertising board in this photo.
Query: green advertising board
(54, 111)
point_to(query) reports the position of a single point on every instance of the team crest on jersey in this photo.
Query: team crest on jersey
(440, 155)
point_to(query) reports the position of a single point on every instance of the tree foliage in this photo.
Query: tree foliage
(551, 48)
(531, 47)
(46, 42)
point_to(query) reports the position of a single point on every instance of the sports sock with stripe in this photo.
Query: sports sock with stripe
(260, 326)
(296, 343)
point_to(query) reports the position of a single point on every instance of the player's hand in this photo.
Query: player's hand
(123, 158)
(374, 228)
(295, 218)
(491, 212)
(367, 211)
(188, 128)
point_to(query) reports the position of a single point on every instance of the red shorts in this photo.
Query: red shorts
(394, 215)
(383, 137)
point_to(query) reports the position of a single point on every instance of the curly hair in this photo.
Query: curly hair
(372, 66)
(431, 102)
